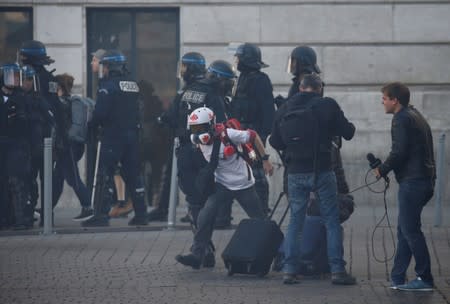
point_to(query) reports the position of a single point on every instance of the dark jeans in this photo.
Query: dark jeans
(66, 168)
(300, 185)
(247, 198)
(413, 195)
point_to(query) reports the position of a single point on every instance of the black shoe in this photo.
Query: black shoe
(189, 260)
(86, 213)
(96, 221)
(209, 261)
(138, 221)
(342, 278)
(185, 219)
(290, 279)
(157, 215)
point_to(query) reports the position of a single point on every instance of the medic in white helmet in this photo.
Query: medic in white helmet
(233, 176)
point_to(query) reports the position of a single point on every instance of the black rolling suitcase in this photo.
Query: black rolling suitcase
(254, 245)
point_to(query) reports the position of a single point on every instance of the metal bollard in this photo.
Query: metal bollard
(173, 201)
(440, 176)
(48, 168)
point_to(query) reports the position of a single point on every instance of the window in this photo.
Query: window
(15, 27)
(149, 38)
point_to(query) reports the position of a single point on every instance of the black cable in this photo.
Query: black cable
(385, 216)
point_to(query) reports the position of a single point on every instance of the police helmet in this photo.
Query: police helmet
(192, 66)
(115, 60)
(12, 75)
(303, 59)
(220, 69)
(222, 73)
(249, 56)
(34, 52)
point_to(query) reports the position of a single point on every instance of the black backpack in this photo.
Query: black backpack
(299, 129)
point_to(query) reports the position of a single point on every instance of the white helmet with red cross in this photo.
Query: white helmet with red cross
(201, 123)
(201, 116)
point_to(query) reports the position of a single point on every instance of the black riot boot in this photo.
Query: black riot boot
(140, 208)
(20, 201)
(189, 260)
(102, 195)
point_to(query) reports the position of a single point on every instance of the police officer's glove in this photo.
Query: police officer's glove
(279, 101)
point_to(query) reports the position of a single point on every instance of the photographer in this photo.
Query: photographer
(304, 128)
(231, 177)
(412, 160)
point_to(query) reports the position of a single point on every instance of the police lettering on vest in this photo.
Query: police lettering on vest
(129, 86)
(195, 97)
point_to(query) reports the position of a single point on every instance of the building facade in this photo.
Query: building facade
(361, 45)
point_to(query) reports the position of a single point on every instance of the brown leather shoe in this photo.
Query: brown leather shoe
(121, 210)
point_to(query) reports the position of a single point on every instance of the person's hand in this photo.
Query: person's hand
(268, 168)
(377, 173)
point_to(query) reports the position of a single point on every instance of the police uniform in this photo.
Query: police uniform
(15, 117)
(44, 117)
(253, 106)
(189, 159)
(117, 111)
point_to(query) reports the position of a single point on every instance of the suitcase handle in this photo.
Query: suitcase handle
(282, 193)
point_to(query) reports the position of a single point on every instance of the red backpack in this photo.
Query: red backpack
(246, 151)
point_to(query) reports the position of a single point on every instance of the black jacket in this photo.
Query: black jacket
(411, 154)
(200, 93)
(253, 103)
(332, 122)
(117, 106)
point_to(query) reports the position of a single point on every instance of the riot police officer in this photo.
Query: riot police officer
(253, 106)
(199, 91)
(303, 61)
(15, 129)
(191, 69)
(40, 116)
(117, 112)
(34, 54)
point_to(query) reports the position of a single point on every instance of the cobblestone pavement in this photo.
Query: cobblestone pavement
(139, 267)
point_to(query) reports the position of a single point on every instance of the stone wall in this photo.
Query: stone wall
(361, 45)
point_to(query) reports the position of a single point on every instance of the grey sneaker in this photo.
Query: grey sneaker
(416, 285)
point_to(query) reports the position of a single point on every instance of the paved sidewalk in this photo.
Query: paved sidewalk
(139, 267)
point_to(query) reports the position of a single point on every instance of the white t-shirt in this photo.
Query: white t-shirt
(233, 172)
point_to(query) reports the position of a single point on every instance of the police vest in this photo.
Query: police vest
(192, 98)
(243, 108)
(123, 94)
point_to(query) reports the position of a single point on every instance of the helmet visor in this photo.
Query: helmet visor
(12, 77)
(181, 69)
(29, 83)
(290, 65)
(232, 47)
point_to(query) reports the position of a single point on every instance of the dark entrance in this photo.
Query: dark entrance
(150, 40)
